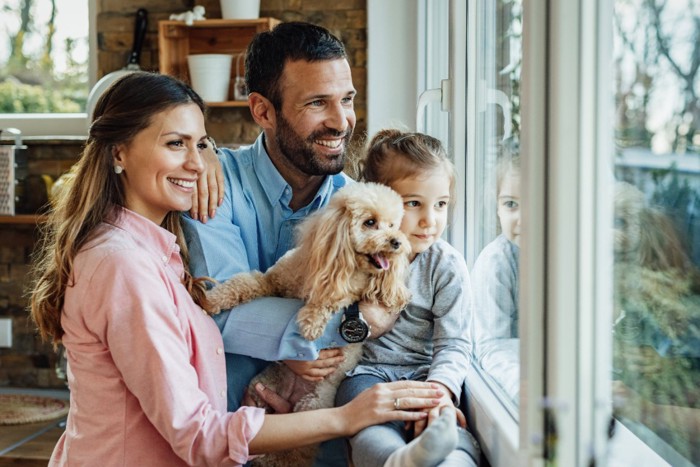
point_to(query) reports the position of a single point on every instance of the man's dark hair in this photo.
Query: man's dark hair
(269, 51)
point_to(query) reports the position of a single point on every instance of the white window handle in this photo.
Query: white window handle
(441, 94)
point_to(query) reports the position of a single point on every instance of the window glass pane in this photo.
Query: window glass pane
(43, 56)
(656, 329)
(495, 272)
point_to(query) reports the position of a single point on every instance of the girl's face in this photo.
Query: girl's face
(162, 163)
(509, 206)
(426, 198)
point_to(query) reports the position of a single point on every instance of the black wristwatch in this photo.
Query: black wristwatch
(354, 328)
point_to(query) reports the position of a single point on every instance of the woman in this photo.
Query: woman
(146, 365)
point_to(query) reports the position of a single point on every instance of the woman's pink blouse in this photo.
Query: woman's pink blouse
(146, 366)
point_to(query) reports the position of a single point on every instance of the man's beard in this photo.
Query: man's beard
(300, 153)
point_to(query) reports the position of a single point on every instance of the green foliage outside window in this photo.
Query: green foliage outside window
(43, 60)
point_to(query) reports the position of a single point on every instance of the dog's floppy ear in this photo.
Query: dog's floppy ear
(324, 239)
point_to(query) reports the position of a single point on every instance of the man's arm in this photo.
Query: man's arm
(264, 328)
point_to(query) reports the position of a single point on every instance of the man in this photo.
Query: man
(301, 95)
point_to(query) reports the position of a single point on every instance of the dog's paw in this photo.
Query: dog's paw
(210, 304)
(310, 328)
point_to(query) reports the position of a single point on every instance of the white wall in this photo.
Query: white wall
(392, 64)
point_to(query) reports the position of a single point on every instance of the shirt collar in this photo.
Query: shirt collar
(276, 187)
(147, 233)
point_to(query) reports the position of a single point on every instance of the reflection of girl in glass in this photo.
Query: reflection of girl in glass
(495, 281)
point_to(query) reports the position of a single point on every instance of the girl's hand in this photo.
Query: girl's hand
(210, 187)
(434, 412)
(378, 404)
(327, 362)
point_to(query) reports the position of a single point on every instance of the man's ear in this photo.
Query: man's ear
(262, 110)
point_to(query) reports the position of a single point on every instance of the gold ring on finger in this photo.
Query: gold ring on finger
(397, 403)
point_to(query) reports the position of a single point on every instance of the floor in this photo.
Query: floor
(30, 444)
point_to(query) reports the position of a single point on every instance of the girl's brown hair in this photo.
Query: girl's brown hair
(124, 110)
(394, 155)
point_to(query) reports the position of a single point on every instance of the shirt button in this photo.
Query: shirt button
(334, 343)
(219, 351)
(223, 393)
(300, 355)
(165, 259)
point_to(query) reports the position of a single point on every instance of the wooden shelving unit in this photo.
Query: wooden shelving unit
(176, 41)
(26, 219)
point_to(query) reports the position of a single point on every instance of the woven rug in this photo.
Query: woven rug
(16, 409)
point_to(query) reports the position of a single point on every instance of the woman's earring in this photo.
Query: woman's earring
(118, 169)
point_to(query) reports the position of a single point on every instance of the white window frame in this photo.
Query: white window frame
(56, 124)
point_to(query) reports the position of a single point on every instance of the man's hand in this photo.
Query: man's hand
(274, 401)
(327, 362)
(210, 187)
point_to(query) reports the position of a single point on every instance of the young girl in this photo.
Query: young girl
(495, 272)
(429, 340)
(146, 367)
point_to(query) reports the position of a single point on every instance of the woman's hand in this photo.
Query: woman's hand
(327, 362)
(434, 412)
(210, 187)
(399, 400)
(373, 406)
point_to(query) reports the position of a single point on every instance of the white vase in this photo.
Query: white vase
(240, 9)
(210, 75)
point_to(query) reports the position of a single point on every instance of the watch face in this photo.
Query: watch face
(354, 330)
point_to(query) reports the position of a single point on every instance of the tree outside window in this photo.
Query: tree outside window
(43, 56)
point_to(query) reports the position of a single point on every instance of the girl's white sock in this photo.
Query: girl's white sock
(431, 447)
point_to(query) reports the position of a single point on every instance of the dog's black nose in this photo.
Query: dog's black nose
(395, 244)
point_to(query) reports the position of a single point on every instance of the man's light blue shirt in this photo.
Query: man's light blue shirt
(252, 229)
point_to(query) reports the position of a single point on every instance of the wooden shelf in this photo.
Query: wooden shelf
(22, 219)
(228, 104)
(176, 41)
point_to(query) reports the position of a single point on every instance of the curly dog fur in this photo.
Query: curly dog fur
(351, 250)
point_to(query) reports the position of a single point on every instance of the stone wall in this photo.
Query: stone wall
(30, 363)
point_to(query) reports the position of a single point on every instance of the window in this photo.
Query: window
(656, 287)
(593, 332)
(492, 126)
(495, 274)
(46, 65)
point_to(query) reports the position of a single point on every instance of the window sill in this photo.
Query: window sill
(47, 124)
(625, 449)
(498, 432)
(494, 427)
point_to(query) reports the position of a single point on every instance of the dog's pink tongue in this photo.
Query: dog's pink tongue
(381, 260)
